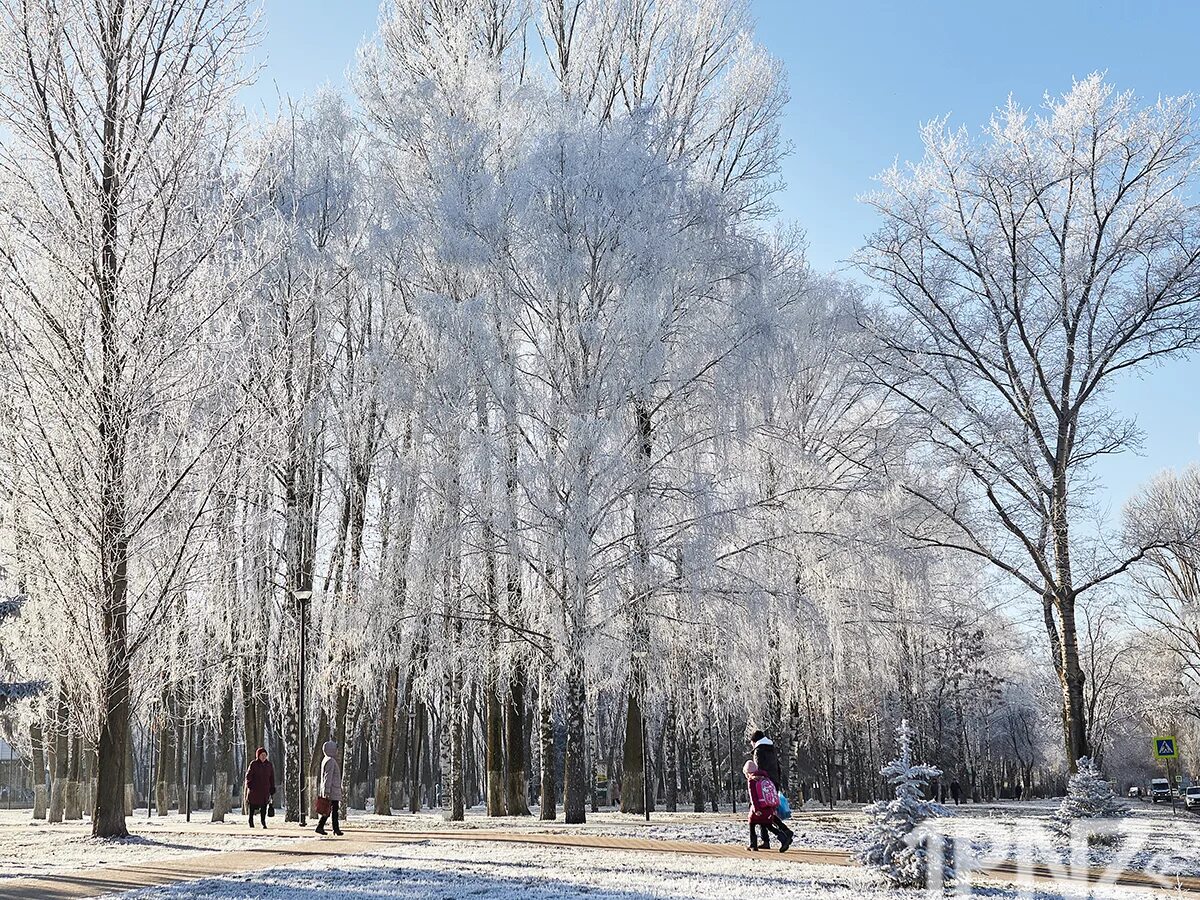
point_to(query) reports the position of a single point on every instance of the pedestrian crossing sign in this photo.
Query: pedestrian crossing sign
(1165, 748)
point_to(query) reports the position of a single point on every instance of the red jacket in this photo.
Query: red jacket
(764, 799)
(260, 782)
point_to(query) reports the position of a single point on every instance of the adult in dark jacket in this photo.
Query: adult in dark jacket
(260, 786)
(766, 759)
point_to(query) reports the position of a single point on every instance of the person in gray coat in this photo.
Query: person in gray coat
(330, 786)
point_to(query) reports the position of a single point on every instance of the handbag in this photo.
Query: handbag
(785, 808)
(271, 809)
(322, 806)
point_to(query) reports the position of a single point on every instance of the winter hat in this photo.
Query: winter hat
(330, 748)
(750, 768)
(258, 751)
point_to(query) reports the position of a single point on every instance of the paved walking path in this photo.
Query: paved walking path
(99, 881)
(302, 849)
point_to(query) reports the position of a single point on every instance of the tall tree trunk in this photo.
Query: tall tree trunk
(223, 763)
(696, 755)
(548, 794)
(445, 748)
(347, 745)
(575, 777)
(165, 763)
(633, 774)
(419, 730)
(61, 761)
(108, 819)
(714, 758)
(182, 740)
(514, 722)
(37, 745)
(494, 716)
(387, 742)
(515, 745)
(671, 756)
(458, 741)
(72, 808)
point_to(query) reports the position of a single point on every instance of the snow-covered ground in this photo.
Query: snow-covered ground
(442, 870)
(1154, 840)
(1151, 838)
(38, 848)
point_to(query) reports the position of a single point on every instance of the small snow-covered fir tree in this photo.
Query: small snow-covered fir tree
(1089, 796)
(894, 843)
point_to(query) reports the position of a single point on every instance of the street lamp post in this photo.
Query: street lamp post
(302, 598)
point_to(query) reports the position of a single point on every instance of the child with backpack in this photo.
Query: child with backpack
(764, 808)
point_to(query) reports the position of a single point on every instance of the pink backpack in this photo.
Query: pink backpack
(765, 795)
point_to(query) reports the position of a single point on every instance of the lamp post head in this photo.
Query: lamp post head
(302, 596)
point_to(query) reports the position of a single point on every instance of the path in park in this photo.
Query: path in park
(106, 880)
(98, 881)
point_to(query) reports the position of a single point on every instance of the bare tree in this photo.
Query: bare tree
(1027, 272)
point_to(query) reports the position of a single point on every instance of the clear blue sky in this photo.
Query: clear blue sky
(863, 75)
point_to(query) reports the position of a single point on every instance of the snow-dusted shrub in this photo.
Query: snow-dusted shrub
(897, 843)
(1090, 799)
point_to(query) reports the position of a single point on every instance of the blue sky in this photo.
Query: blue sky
(863, 75)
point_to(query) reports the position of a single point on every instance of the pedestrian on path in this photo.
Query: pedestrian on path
(764, 807)
(766, 758)
(260, 786)
(956, 792)
(331, 788)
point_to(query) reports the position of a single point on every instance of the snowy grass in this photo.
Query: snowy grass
(39, 848)
(439, 870)
(1151, 838)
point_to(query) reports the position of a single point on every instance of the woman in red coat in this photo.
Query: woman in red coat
(260, 785)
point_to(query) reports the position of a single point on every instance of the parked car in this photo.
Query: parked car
(1135, 792)
(1160, 790)
(1191, 796)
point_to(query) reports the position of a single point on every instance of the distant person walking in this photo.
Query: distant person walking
(330, 788)
(766, 760)
(956, 792)
(260, 786)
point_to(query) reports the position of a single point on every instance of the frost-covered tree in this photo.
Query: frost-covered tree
(116, 124)
(1028, 270)
(895, 842)
(1089, 797)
